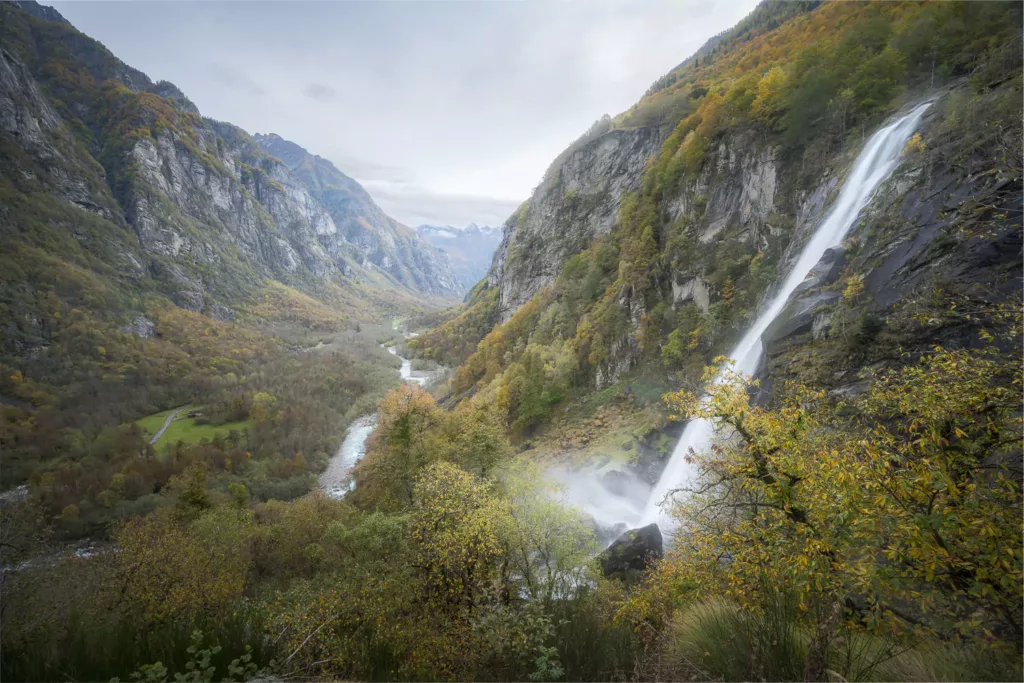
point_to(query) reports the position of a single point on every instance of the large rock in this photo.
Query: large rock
(826, 271)
(634, 551)
(796, 319)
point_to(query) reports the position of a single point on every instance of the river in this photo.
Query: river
(336, 480)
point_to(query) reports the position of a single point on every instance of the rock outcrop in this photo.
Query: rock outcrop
(577, 202)
(632, 553)
(359, 231)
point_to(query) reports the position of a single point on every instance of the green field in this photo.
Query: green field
(153, 423)
(185, 429)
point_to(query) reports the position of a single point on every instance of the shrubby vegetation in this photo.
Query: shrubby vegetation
(76, 454)
(808, 83)
(857, 534)
(843, 537)
(453, 341)
(453, 560)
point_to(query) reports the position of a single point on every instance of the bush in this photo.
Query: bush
(717, 640)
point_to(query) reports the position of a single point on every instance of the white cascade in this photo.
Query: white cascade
(878, 159)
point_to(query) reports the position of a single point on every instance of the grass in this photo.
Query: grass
(99, 646)
(184, 428)
(717, 640)
(154, 422)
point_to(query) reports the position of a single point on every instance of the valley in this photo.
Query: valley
(733, 394)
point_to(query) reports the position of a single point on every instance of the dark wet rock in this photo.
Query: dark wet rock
(761, 396)
(608, 533)
(632, 553)
(797, 319)
(826, 271)
(652, 452)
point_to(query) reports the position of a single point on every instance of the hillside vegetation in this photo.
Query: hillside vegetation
(859, 519)
(150, 258)
(807, 90)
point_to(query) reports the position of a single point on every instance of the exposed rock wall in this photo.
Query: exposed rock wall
(202, 197)
(748, 196)
(577, 203)
(356, 229)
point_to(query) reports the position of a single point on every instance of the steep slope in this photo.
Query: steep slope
(148, 255)
(471, 249)
(206, 203)
(183, 184)
(577, 201)
(370, 237)
(654, 239)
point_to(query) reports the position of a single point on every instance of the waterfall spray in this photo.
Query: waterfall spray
(876, 162)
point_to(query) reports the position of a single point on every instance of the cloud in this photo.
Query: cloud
(415, 205)
(320, 92)
(234, 79)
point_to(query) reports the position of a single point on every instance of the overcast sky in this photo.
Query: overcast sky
(447, 112)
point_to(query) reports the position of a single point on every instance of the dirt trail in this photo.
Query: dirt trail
(167, 423)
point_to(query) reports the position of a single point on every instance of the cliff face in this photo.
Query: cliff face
(361, 231)
(212, 213)
(746, 201)
(220, 201)
(654, 241)
(577, 202)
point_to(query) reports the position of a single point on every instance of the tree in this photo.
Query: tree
(476, 440)
(841, 106)
(404, 443)
(808, 104)
(877, 79)
(550, 543)
(901, 517)
(770, 102)
(458, 525)
(167, 569)
(261, 409)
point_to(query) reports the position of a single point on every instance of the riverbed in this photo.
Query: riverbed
(336, 480)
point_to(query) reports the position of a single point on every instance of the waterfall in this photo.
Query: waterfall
(877, 160)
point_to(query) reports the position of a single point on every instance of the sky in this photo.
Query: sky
(446, 112)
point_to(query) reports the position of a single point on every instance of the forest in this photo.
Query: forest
(454, 559)
(836, 534)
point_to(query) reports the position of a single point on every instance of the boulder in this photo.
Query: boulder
(141, 326)
(632, 553)
(218, 312)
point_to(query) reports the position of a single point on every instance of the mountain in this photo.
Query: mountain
(371, 238)
(470, 249)
(150, 255)
(655, 238)
(192, 206)
(830, 193)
